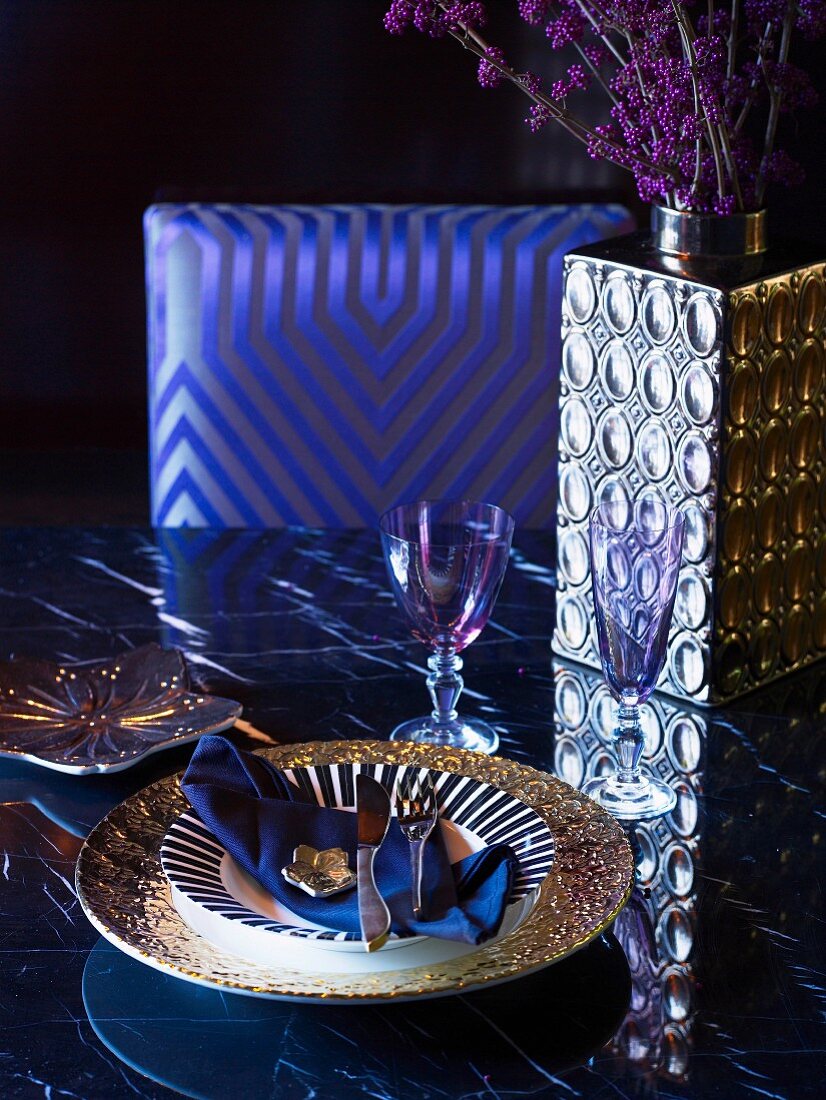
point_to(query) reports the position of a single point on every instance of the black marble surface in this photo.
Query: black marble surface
(711, 983)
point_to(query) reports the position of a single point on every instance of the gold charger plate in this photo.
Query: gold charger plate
(125, 893)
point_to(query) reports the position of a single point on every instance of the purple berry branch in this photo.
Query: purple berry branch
(684, 81)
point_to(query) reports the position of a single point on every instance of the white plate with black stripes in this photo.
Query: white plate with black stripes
(221, 902)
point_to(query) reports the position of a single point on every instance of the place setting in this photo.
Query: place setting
(362, 870)
(501, 893)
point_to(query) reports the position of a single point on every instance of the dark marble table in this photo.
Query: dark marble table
(711, 983)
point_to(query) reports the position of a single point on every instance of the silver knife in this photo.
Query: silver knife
(373, 806)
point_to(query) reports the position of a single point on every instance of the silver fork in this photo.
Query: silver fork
(417, 812)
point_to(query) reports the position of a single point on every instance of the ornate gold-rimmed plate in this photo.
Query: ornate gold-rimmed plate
(125, 894)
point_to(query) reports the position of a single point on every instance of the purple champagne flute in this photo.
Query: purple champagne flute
(446, 560)
(636, 548)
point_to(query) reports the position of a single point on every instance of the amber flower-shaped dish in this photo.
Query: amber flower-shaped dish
(104, 717)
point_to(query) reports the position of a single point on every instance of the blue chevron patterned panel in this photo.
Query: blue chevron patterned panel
(316, 364)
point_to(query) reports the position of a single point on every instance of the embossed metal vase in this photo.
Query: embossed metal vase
(693, 369)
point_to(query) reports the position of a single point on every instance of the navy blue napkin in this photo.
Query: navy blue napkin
(260, 818)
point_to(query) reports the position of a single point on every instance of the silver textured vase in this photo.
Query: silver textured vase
(693, 369)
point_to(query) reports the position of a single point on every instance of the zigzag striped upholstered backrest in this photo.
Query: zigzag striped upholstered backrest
(316, 364)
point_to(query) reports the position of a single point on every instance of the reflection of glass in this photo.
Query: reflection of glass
(636, 547)
(657, 933)
(446, 561)
(657, 929)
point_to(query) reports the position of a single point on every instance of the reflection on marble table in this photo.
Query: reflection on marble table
(657, 929)
(710, 985)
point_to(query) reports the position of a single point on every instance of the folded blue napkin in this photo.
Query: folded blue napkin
(260, 818)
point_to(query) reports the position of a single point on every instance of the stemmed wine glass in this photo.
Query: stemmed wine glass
(636, 547)
(446, 560)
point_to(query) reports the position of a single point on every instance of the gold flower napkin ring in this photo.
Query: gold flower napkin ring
(319, 874)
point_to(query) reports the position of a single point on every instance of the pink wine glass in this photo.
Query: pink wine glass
(446, 560)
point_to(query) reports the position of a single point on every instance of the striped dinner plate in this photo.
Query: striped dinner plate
(220, 901)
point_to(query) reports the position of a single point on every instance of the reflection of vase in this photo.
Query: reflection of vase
(699, 378)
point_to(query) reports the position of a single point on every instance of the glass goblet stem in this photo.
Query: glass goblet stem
(445, 685)
(629, 741)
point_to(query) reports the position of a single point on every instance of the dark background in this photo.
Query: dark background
(109, 105)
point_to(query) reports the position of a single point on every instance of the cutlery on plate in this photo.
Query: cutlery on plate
(417, 812)
(373, 807)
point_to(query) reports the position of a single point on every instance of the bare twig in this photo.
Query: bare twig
(733, 31)
(762, 48)
(775, 103)
(596, 73)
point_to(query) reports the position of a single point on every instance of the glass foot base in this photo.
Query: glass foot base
(646, 797)
(464, 733)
